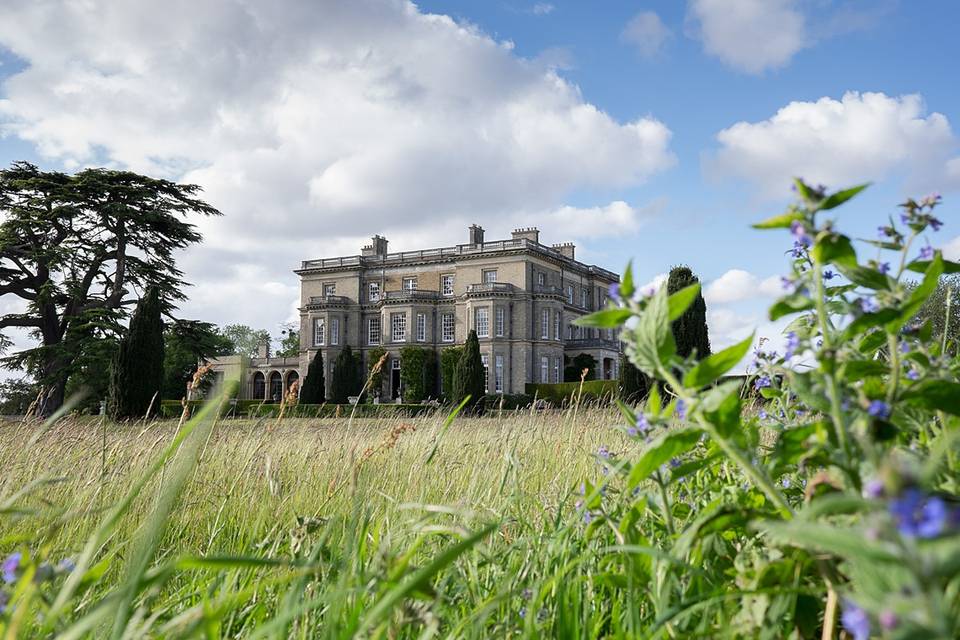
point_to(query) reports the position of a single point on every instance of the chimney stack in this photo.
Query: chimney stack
(565, 248)
(530, 233)
(377, 247)
(476, 234)
(263, 349)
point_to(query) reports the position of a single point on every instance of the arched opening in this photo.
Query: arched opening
(259, 386)
(292, 377)
(276, 386)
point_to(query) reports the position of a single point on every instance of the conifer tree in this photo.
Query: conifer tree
(313, 390)
(468, 376)
(136, 374)
(690, 329)
(345, 377)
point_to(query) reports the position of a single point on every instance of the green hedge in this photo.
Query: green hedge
(563, 392)
(258, 409)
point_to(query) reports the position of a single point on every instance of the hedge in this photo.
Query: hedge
(259, 409)
(563, 392)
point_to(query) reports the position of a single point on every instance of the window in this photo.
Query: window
(446, 284)
(335, 331)
(398, 327)
(556, 325)
(482, 324)
(544, 369)
(569, 294)
(486, 372)
(556, 369)
(329, 290)
(583, 297)
(498, 374)
(446, 327)
(373, 291)
(569, 332)
(319, 332)
(421, 327)
(410, 284)
(545, 324)
(373, 330)
(499, 321)
(541, 278)
(489, 275)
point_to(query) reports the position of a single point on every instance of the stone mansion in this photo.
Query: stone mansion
(519, 295)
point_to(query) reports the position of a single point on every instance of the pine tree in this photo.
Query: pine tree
(633, 384)
(468, 376)
(689, 330)
(313, 391)
(345, 377)
(136, 374)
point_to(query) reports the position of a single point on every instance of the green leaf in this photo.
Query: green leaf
(838, 198)
(865, 276)
(781, 221)
(834, 248)
(936, 395)
(805, 192)
(722, 408)
(681, 300)
(868, 321)
(857, 370)
(667, 446)
(605, 319)
(626, 281)
(717, 364)
(921, 266)
(845, 543)
(654, 345)
(792, 303)
(920, 293)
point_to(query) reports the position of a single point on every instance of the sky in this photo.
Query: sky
(647, 131)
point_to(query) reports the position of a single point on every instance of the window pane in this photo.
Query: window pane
(373, 330)
(319, 329)
(421, 327)
(446, 285)
(398, 323)
(483, 322)
(447, 327)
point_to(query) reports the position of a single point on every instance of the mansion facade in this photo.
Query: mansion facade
(519, 295)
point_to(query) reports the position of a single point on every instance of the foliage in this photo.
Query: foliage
(246, 341)
(290, 342)
(76, 248)
(573, 367)
(449, 358)
(136, 374)
(185, 344)
(313, 389)
(16, 396)
(942, 311)
(375, 377)
(413, 372)
(633, 384)
(468, 376)
(507, 401)
(89, 381)
(346, 377)
(690, 330)
(565, 393)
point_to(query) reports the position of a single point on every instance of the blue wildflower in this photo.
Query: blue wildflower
(873, 488)
(855, 621)
(879, 409)
(614, 292)
(793, 343)
(10, 567)
(884, 268)
(913, 374)
(919, 516)
(603, 452)
(785, 483)
(935, 223)
(868, 304)
(786, 283)
(800, 234)
(67, 565)
(926, 253)
(829, 275)
(523, 612)
(905, 218)
(888, 620)
(931, 200)
(763, 414)
(674, 463)
(883, 232)
(587, 517)
(681, 410)
(632, 432)
(762, 382)
(526, 594)
(904, 347)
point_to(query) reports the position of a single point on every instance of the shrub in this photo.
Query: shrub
(313, 389)
(415, 374)
(507, 401)
(573, 367)
(564, 393)
(448, 365)
(346, 377)
(375, 378)
(689, 330)
(136, 375)
(468, 376)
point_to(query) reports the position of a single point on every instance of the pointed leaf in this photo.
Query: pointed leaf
(717, 364)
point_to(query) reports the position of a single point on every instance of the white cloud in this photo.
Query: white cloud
(858, 138)
(646, 32)
(736, 285)
(313, 125)
(951, 249)
(749, 35)
(654, 285)
(542, 9)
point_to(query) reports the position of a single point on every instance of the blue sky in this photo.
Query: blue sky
(615, 124)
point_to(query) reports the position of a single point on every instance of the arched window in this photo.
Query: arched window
(292, 377)
(259, 386)
(276, 386)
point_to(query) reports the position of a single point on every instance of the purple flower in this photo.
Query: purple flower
(888, 620)
(786, 283)
(67, 565)
(800, 234)
(785, 483)
(615, 292)
(883, 232)
(763, 414)
(935, 223)
(879, 409)
(4, 599)
(829, 275)
(868, 304)
(855, 621)
(793, 343)
(587, 517)
(913, 374)
(603, 452)
(926, 253)
(904, 347)
(798, 249)
(632, 432)
(681, 410)
(884, 268)
(873, 488)
(523, 612)
(905, 218)
(10, 567)
(918, 515)
(674, 463)
(762, 382)
(931, 200)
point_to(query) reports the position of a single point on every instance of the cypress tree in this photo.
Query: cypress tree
(633, 384)
(313, 391)
(690, 329)
(345, 377)
(136, 373)
(468, 375)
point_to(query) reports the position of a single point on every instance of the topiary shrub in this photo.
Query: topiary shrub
(448, 365)
(346, 377)
(468, 376)
(136, 374)
(313, 389)
(689, 330)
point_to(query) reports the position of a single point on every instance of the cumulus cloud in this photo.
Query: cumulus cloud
(749, 35)
(542, 9)
(736, 285)
(313, 125)
(646, 33)
(858, 138)
(951, 249)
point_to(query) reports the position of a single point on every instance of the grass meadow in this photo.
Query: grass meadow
(302, 527)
